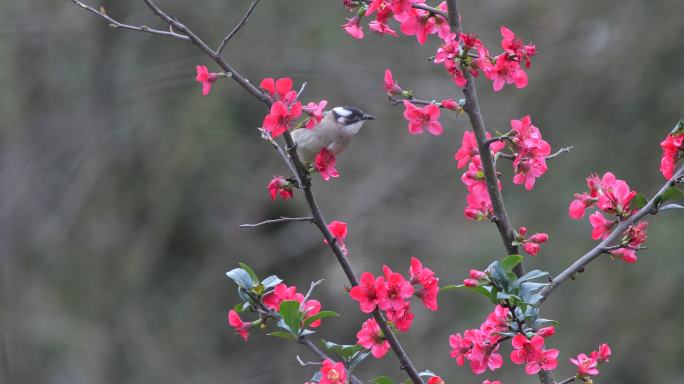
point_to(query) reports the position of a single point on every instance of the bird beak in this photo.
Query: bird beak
(367, 117)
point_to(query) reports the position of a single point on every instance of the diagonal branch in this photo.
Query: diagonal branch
(300, 173)
(649, 208)
(116, 24)
(237, 27)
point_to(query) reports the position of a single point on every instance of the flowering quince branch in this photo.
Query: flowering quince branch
(237, 27)
(605, 245)
(282, 219)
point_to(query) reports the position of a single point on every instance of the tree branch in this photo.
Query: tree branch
(237, 27)
(472, 109)
(300, 173)
(116, 24)
(605, 244)
(434, 11)
(277, 221)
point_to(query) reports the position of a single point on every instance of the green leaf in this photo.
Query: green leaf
(509, 262)
(382, 380)
(531, 275)
(250, 271)
(679, 128)
(241, 278)
(289, 310)
(317, 377)
(541, 323)
(239, 307)
(282, 335)
(670, 194)
(344, 351)
(450, 287)
(271, 281)
(356, 359)
(318, 316)
(639, 201)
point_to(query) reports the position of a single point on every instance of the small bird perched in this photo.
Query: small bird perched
(334, 132)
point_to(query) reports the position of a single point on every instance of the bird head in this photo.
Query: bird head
(351, 119)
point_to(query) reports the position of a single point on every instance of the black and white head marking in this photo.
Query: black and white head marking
(350, 115)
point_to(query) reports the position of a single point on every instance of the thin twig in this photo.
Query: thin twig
(116, 24)
(599, 249)
(305, 341)
(305, 363)
(301, 90)
(267, 136)
(568, 380)
(434, 11)
(311, 288)
(278, 221)
(237, 27)
(561, 151)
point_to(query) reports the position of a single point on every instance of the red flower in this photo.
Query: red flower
(531, 245)
(402, 318)
(280, 186)
(279, 90)
(325, 164)
(603, 354)
(491, 382)
(369, 292)
(333, 373)
(586, 366)
(437, 380)
(353, 27)
(241, 327)
(526, 350)
(469, 148)
(419, 23)
(546, 331)
(580, 204)
(422, 118)
(516, 47)
(280, 118)
(315, 111)
(479, 204)
(206, 78)
(391, 87)
(382, 28)
(634, 238)
(483, 355)
(601, 226)
(672, 146)
(398, 290)
(280, 293)
(505, 71)
(371, 337)
(545, 361)
(430, 284)
(530, 160)
(461, 348)
(339, 231)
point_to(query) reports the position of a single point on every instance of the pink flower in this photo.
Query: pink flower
(531, 245)
(483, 355)
(325, 164)
(338, 230)
(546, 331)
(241, 327)
(672, 146)
(460, 347)
(401, 318)
(422, 118)
(516, 48)
(333, 373)
(391, 86)
(471, 283)
(437, 380)
(546, 361)
(315, 111)
(206, 78)
(369, 292)
(310, 308)
(603, 354)
(441, 23)
(280, 186)
(469, 148)
(491, 382)
(419, 23)
(580, 204)
(601, 226)
(526, 350)
(634, 238)
(479, 204)
(430, 284)
(402, 9)
(353, 27)
(279, 90)
(280, 118)
(382, 28)
(398, 290)
(614, 195)
(586, 366)
(530, 160)
(497, 321)
(506, 71)
(280, 293)
(451, 105)
(371, 337)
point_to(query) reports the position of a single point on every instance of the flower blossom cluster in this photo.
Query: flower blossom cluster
(588, 365)
(272, 300)
(465, 53)
(390, 293)
(480, 346)
(280, 186)
(673, 150)
(531, 244)
(531, 151)
(479, 203)
(613, 197)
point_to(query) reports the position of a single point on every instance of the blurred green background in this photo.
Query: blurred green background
(122, 188)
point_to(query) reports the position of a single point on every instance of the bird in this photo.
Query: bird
(334, 132)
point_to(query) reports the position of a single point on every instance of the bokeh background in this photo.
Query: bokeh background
(122, 188)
